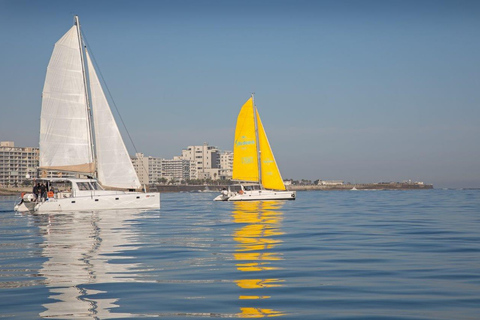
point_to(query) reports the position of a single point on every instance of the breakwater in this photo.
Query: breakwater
(362, 186)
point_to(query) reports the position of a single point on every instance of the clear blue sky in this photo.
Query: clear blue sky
(362, 91)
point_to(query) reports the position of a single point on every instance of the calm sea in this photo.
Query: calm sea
(327, 255)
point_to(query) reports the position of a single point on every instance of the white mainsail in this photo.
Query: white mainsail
(114, 167)
(65, 133)
(65, 141)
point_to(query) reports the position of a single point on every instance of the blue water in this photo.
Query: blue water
(327, 255)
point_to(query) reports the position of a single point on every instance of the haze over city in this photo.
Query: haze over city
(362, 91)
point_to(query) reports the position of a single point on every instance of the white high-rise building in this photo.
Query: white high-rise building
(151, 169)
(226, 165)
(178, 169)
(17, 164)
(206, 159)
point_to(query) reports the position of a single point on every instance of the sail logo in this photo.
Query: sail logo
(244, 143)
(247, 160)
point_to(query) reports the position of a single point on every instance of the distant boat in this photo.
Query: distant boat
(354, 189)
(78, 134)
(253, 162)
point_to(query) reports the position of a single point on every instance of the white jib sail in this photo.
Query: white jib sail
(64, 132)
(114, 165)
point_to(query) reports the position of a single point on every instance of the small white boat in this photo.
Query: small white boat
(253, 162)
(78, 134)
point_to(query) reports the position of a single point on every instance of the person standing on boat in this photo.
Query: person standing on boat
(43, 191)
(36, 190)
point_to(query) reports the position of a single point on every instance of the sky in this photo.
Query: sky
(360, 91)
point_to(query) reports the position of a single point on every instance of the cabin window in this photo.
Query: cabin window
(73, 201)
(60, 186)
(96, 199)
(116, 198)
(95, 185)
(138, 197)
(83, 186)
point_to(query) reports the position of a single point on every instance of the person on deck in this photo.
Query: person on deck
(36, 190)
(43, 192)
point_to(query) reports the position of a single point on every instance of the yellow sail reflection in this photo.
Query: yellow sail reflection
(256, 243)
(259, 313)
(258, 283)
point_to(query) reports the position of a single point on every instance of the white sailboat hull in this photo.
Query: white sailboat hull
(256, 195)
(107, 201)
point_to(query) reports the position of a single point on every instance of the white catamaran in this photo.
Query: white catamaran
(253, 162)
(78, 134)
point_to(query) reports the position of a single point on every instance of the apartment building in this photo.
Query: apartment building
(17, 164)
(151, 169)
(178, 169)
(206, 160)
(226, 165)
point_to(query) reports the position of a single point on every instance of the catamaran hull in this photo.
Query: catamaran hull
(221, 197)
(263, 195)
(102, 202)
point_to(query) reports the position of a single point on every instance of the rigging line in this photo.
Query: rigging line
(109, 93)
(145, 170)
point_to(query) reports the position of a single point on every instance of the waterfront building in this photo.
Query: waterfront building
(178, 169)
(140, 164)
(206, 161)
(226, 165)
(151, 170)
(17, 164)
(330, 182)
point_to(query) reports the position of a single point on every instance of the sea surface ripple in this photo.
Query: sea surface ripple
(327, 255)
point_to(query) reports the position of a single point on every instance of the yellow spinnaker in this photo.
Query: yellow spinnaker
(271, 178)
(245, 159)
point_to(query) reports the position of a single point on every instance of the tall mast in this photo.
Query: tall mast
(257, 144)
(87, 97)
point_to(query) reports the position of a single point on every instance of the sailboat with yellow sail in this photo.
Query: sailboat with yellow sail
(253, 162)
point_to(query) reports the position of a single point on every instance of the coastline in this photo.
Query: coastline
(217, 188)
(14, 191)
(363, 186)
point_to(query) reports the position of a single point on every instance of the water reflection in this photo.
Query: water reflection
(255, 252)
(85, 248)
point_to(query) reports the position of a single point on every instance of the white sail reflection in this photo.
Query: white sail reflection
(255, 251)
(80, 248)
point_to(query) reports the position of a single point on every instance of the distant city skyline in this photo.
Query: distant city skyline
(361, 91)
